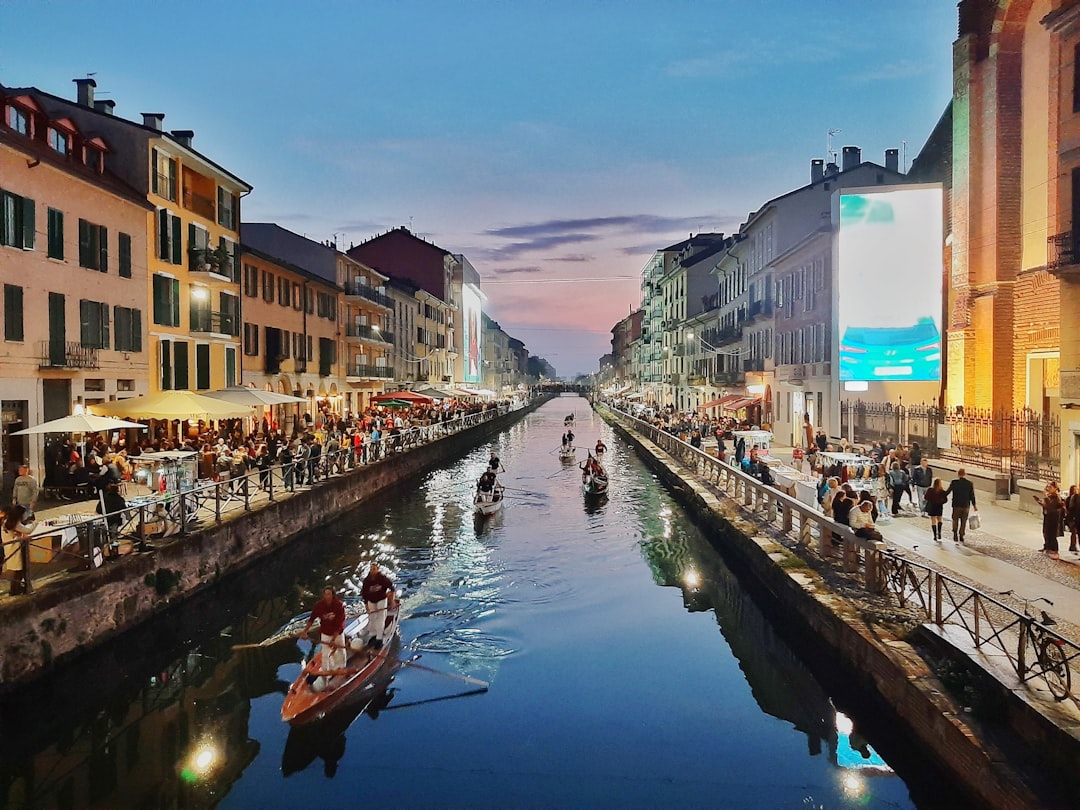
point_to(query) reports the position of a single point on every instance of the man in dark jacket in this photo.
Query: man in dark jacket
(963, 501)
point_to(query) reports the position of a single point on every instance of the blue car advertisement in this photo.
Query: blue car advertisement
(889, 275)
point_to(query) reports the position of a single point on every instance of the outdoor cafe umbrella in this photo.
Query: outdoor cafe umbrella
(79, 423)
(394, 403)
(173, 405)
(241, 395)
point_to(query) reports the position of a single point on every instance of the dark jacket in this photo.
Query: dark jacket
(962, 492)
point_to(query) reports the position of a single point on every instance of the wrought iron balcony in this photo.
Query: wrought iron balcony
(369, 293)
(218, 323)
(381, 372)
(722, 378)
(1062, 250)
(67, 354)
(762, 309)
(364, 332)
(753, 364)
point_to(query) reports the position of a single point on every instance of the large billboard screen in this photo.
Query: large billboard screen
(889, 284)
(471, 348)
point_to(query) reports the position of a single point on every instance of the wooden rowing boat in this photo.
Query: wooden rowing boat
(317, 691)
(594, 479)
(566, 452)
(488, 503)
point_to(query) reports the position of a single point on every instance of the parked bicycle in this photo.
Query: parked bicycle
(1051, 661)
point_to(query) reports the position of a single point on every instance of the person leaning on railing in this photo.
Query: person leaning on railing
(15, 528)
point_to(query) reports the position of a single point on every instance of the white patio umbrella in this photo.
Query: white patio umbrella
(79, 423)
(241, 395)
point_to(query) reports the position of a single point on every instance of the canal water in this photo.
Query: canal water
(627, 668)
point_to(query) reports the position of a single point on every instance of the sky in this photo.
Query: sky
(556, 144)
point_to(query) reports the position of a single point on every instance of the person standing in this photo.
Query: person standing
(922, 476)
(898, 484)
(15, 527)
(330, 612)
(934, 499)
(963, 501)
(25, 491)
(1072, 516)
(1053, 525)
(378, 593)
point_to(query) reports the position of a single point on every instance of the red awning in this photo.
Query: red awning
(717, 403)
(406, 396)
(740, 403)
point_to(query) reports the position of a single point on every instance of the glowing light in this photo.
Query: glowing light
(200, 293)
(204, 758)
(756, 390)
(852, 784)
(692, 578)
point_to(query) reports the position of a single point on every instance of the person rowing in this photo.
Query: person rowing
(378, 593)
(568, 439)
(601, 448)
(330, 611)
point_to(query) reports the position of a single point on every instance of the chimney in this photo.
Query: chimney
(184, 136)
(85, 90)
(892, 160)
(831, 169)
(105, 106)
(852, 157)
(817, 170)
(153, 120)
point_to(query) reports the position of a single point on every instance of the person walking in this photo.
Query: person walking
(15, 527)
(1053, 525)
(25, 491)
(963, 501)
(1072, 516)
(898, 484)
(922, 476)
(934, 499)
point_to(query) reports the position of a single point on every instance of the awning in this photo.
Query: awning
(408, 396)
(719, 403)
(740, 403)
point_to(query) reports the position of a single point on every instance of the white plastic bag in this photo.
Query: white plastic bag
(973, 521)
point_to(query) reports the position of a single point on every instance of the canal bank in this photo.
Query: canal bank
(889, 672)
(54, 625)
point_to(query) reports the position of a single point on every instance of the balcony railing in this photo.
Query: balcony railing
(370, 293)
(722, 378)
(203, 206)
(218, 323)
(360, 370)
(364, 332)
(753, 364)
(760, 308)
(729, 334)
(66, 355)
(1062, 250)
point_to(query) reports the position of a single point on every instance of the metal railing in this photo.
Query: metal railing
(362, 370)
(370, 293)
(67, 354)
(242, 487)
(937, 597)
(219, 323)
(365, 332)
(1061, 250)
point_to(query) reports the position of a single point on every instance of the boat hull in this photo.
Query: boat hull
(303, 704)
(484, 508)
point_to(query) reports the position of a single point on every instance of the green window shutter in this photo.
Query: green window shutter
(192, 239)
(28, 227)
(56, 234)
(153, 170)
(202, 366)
(180, 370)
(158, 313)
(103, 317)
(221, 206)
(136, 330)
(103, 249)
(230, 366)
(166, 365)
(124, 254)
(84, 243)
(164, 250)
(13, 312)
(86, 326)
(174, 302)
(177, 241)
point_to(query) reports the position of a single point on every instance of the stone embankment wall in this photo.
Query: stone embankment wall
(55, 624)
(882, 666)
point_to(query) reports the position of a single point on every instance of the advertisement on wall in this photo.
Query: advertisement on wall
(470, 305)
(889, 284)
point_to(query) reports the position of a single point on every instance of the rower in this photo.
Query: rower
(600, 447)
(330, 611)
(494, 464)
(378, 593)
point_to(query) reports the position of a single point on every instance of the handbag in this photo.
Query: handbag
(973, 521)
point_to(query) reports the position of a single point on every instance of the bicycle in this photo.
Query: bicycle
(1051, 661)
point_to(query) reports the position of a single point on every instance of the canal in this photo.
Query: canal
(627, 667)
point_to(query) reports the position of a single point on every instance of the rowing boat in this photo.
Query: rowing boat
(594, 479)
(317, 691)
(566, 452)
(488, 503)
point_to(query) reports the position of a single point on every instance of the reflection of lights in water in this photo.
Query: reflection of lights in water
(853, 752)
(201, 763)
(204, 758)
(852, 784)
(692, 578)
(844, 724)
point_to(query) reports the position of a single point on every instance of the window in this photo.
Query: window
(59, 141)
(326, 356)
(268, 286)
(163, 176)
(125, 385)
(284, 291)
(230, 366)
(93, 324)
(198, 242)
(251, 281)
(309, 300)
(93, 246)
(229, 306)
(125, 255)
(283, 348)
(226, 207)
(56, 234)
(94, 158)
(202, 366)
(231, 267)
(251, 339)
(16, 221)
(18, 120)
(296, 302)
(170, 248)
(13, 312)
(127, 326)
(166, 300)
(326, 305)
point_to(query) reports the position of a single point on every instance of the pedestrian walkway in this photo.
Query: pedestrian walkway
(1003, 554)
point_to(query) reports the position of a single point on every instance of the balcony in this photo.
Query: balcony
(368, 293)
(1062, 250)
(753, 364)
(723, 378)
(369, 333)
(729, 334)
(371, 372)
(218, 323)
(762, 309)
(66, 355)
(696, 379)
(199, 204)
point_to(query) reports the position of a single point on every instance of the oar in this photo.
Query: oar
(474, 681)
(527, 491)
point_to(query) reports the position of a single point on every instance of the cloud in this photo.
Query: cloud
(753, 57)
(572, 257)
(642, 223)
(506, 271)
(638, 250)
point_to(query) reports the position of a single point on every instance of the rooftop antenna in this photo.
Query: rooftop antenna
(829, 151)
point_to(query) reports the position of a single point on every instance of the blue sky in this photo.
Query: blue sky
(545, 140)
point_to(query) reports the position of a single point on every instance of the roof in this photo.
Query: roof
(405, 232)
(67, 104)
(249, 250)
(276, 241)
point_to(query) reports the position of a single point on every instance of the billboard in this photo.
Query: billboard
(889, 283)
(471, 340)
